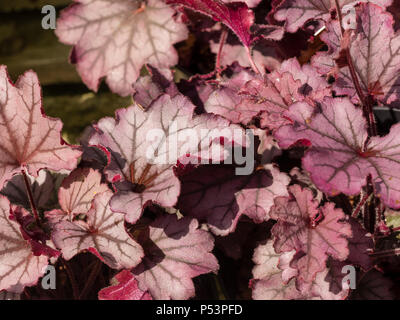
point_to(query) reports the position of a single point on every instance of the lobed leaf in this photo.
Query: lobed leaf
(114, 39)
(176, 251)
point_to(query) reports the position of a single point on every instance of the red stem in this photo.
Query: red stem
(253, 65)
(222, 40)
(385, 253)
(360, 204)
(366, 103)
(30, 196)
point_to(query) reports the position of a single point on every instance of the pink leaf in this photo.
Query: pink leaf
(297, 12)
(219, 197)
(236, 15)
(29, 139)
(245, 96)
(19, 266)
(131, 34)
(267, 283)
(375, 52)
(124, 287)
(315, 233)
(274, 279)
(145, 146)
(338, 159)
(103, 234)
(78, 190)
(264, 55)
(176, 251)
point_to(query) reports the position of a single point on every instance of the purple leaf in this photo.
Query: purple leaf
(115, 39)
(236, 15)
(339, 160)
(43, 189)
(373, 286)
(219, 197)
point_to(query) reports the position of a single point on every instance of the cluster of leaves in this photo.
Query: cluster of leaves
(322, 195)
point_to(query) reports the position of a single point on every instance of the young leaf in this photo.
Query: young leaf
(19, 267)
(176, 251)
(114, 39)
(102, 234)
(29, 139)
(124, 287)
(315, 233)
(145, 146)
(338, 159)
(216, 195)
(267, 283)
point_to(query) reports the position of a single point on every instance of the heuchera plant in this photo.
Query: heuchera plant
(267, 177)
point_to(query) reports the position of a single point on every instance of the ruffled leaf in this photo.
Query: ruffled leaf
(102, 234)
(19, 267)
(338, 159)
(315, 233)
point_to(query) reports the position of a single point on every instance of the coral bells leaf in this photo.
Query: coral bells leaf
(245, 96)
(102, 234)
(274, 279)
(124, 287)
(19, 267)
(374, 50)
(297, 12)
(114, 39)
(145, 146)
(338, 159)
(267, 282)
(216, 195)
(237, 16)
(29, 139)
(78, 190)
(175, 252)
(315, 233)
